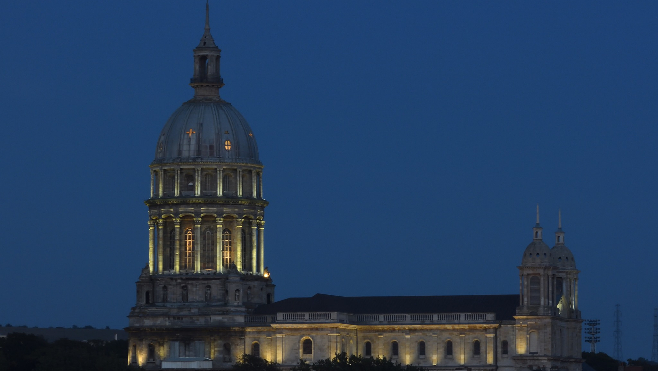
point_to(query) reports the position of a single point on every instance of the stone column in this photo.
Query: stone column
(161, 183)
(238, 244)
(220, 183)
(491, 350)
(177, 247)
(261, 186)
(239, 182)
(152, 183)
(218, 245)
(279, 348)
(542, 290)
(253, 184)
(197, 245)
(261, 242)
(197, 182)
(254, 247)
(160, 241)
(151, 245)
(177, 185)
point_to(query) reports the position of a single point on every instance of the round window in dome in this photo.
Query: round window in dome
(227, 145)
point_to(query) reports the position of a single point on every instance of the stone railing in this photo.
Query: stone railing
(422, 318)
(311, 317)
(259, 319)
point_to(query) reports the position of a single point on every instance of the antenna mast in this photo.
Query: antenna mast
(617, 354)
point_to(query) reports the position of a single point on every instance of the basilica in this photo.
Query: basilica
(206, 296)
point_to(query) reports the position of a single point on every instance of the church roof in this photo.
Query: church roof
(504, 306)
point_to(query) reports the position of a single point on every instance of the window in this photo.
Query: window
(245, 254)
(226, 248)
(504, 347)
(394, 349)
(133, 356)
(164, 294)
(188, 256)
(227, 145)
(421, 348)
(227, 352)
(207, 296)
(237, 295)
(151, 353)
(255, 349)
(189, 183)
(184, 294)
(226, 184)
(476, 347)
(208, 251)
(169, 252)
(534, 290)
(269, 298)
(533, 342)
(368, 349)
(169, 185)
(208, 182)
(147, 297)
(307, 346)
(449, 348)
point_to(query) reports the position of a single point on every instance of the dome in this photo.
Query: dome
(537, 253)
(562, 257)
(207, 131)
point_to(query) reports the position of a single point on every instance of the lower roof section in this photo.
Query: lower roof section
(503, 306)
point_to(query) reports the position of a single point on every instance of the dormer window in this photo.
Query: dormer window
(227, 145)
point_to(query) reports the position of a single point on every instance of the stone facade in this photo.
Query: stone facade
(206, 297)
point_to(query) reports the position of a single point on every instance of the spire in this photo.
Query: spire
(206, 80)
(536, 231)
(559, 234)
(206, 40)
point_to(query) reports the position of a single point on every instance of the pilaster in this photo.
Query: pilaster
(197, 245)
(261, 249)
(218, 245)
(238, 244)
(151, 245)
(254, 247)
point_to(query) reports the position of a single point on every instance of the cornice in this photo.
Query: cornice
(205, 200)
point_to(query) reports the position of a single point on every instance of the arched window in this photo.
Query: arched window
(532, 338)
(255, 349)
(269, 298)
(394, 349)
(207, 294)
(133, 356)
(151, 353)
(147, 297)
(449, 348)
(188, 256)
(307, 346)
(165, 294)
(421, 348)
(184, 294)
(536, 234)
(534, 290)
(368, 349)
(170, 252)
(208, 250)
(504, 347)
(476, 347)
(237, 295)
(249, 294)
(226, 248)
(169, 183)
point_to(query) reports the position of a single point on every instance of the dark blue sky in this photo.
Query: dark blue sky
(405, 146)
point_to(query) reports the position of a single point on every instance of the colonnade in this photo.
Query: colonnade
(158, 181)
(222, 260)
